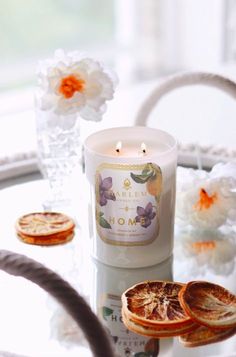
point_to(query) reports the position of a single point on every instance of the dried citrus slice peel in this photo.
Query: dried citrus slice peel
(204, 336)
(44, 223)
(209, 304)
(155, 304)
(45, 228)
(59, 238)
(156, 332)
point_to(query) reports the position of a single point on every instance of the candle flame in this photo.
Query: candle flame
(143, 148)
(118, 146)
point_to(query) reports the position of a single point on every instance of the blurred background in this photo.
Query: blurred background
(142, 40)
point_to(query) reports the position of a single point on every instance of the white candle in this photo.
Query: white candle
(133, 195)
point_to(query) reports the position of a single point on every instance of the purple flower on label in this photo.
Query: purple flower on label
(105, 192)
(145, 215)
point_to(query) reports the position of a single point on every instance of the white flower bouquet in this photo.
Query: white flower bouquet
(71, 83)
(70, 87)
(206, 200)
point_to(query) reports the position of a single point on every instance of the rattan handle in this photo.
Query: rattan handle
(180, 80)
(76, 306)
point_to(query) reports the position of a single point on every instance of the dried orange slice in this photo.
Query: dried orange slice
(44, 223)
(155, 304)
(209, 304)
(58, 238)
(204, 336)
(45, 228)
(156, 332)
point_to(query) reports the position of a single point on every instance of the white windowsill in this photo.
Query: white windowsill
(202, 119)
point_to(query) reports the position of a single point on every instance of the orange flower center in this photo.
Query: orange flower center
(200, 247)
(205, 201)
(71, 84)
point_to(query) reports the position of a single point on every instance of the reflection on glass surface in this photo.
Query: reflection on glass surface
(207, 250)
(25, 311)
(208, 255)
(108, 285)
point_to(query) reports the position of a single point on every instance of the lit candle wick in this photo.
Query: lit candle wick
(143, 148)
(118, 147)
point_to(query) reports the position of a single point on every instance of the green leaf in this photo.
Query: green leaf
(147, 169)
(103, 223)
(106, 311)
(140, 178)
(101, 214)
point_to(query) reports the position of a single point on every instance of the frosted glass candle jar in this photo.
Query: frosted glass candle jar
(132, 174)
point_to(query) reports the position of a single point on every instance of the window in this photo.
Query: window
(142, 40)
(32, 29)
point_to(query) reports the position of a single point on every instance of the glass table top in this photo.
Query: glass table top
(33, 324)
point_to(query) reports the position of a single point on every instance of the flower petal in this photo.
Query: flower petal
(106, 183)
(152, 215)
(141, 211)
(102, 200)
(89, 113)
(146, 223)
(98, 85)
(103, 83)
(110, 195)
(71, 105)
(148, 208)
(218, 185)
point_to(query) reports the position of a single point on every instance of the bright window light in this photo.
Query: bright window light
(32, 29)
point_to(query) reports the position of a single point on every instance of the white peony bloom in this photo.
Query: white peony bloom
(212, 249)
(70, 83)
(206, 200)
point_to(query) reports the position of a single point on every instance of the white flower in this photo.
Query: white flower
(213, 249)
(206, 200)
(65, 329)
(70, 83)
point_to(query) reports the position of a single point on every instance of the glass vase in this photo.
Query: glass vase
(59, 156)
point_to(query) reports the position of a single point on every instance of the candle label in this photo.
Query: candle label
(127, 203)
(127, 343)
